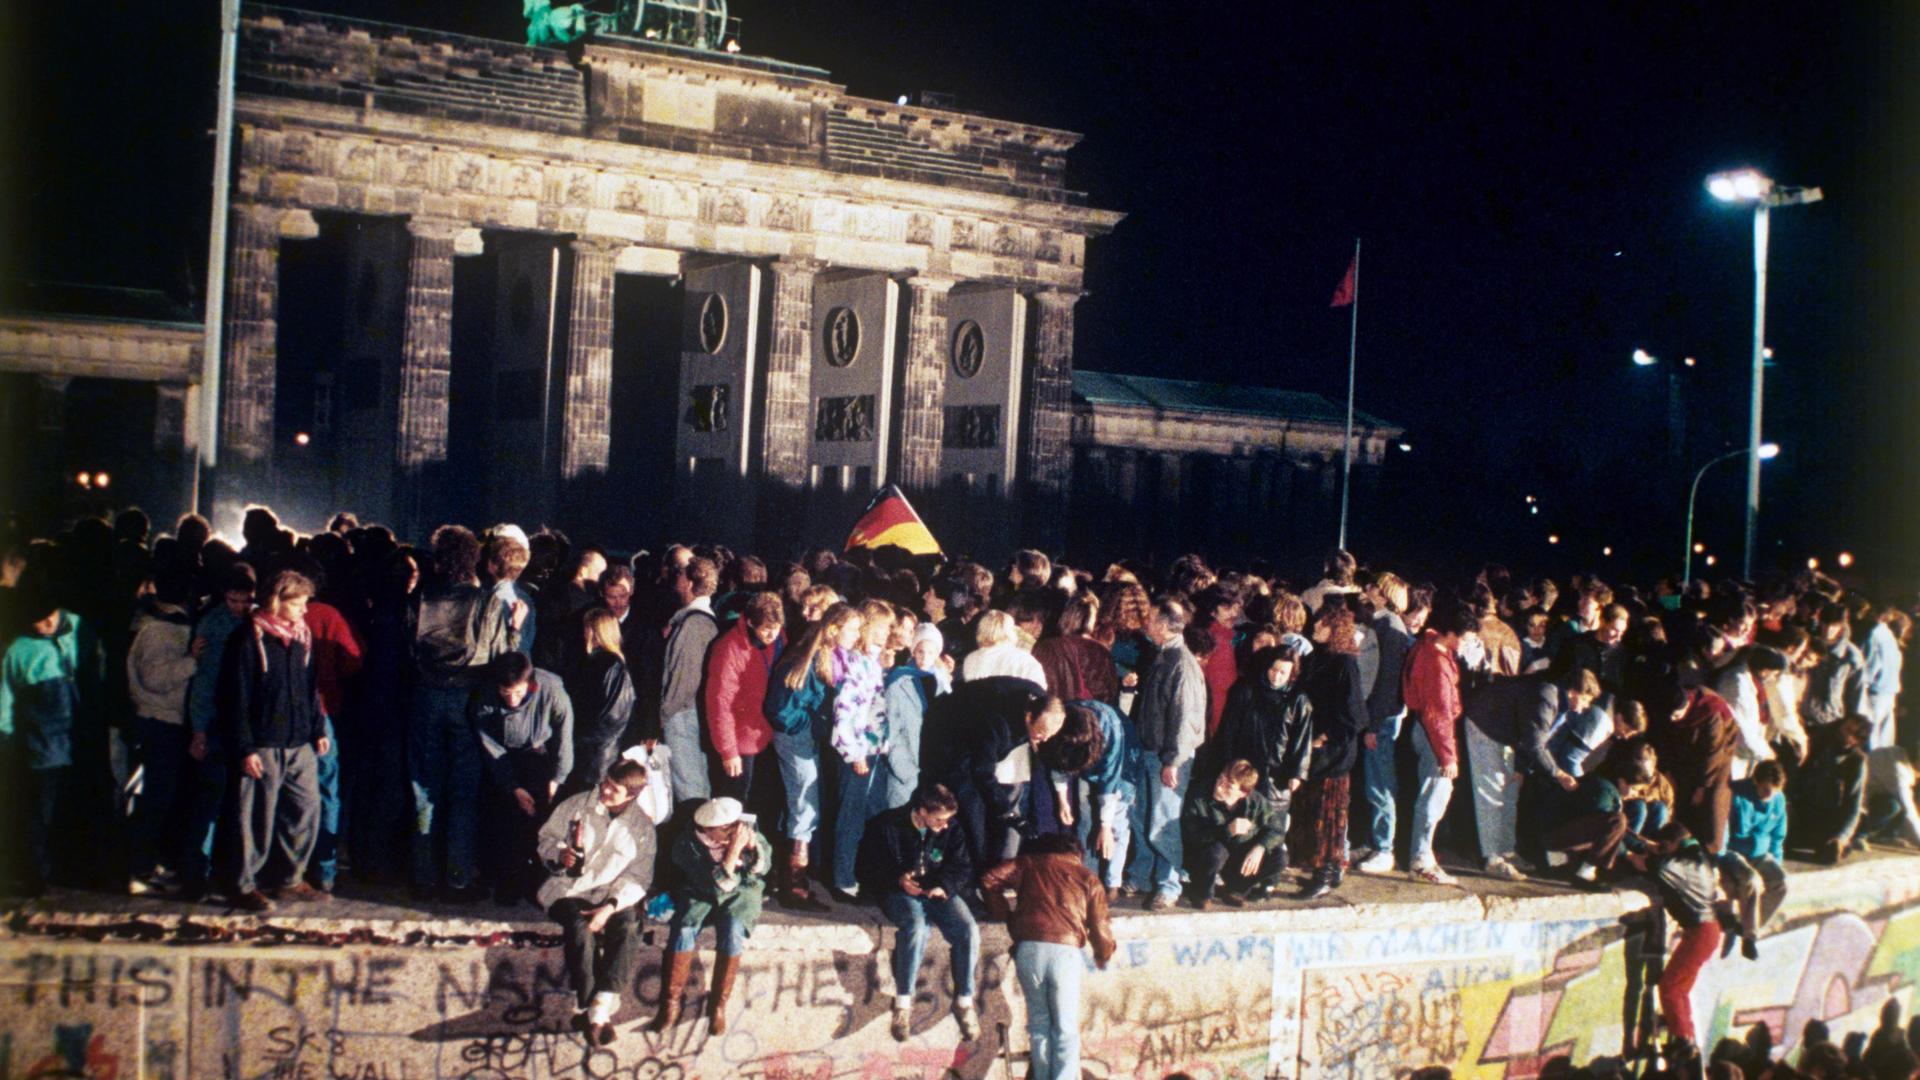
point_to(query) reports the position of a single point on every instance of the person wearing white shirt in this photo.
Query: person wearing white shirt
(996, 652)
(598, 847)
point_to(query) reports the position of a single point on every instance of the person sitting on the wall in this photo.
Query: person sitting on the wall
(1756, 844)
(1231, 830)
(914, 864)
(598, 848)
(723, 862)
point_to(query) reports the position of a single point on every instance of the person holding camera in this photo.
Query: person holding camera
(598, 849)
(723, 862)
(915, 865)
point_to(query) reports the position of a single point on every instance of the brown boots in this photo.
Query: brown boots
(674, 967)
(725, 970)
(795, 892)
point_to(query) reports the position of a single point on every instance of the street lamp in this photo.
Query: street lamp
(1751, 186)
(1764, 452)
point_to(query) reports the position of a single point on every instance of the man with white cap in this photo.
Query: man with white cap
(723, 863)
(598, 847)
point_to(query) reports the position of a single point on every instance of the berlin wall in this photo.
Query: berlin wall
(1490, 987)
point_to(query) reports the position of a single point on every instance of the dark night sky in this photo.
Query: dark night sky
(1527, 182)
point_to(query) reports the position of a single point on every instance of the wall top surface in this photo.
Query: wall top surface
(638, 93)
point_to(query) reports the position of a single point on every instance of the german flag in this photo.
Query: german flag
(890, 521)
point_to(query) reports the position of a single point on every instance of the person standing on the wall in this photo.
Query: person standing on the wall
(1059, 908)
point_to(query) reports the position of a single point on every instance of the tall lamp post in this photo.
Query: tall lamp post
(1752, 186)
(1764, 452)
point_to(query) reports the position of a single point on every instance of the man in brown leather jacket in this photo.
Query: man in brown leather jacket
(1059, 908)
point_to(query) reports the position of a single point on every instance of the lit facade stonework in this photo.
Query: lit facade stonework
(532, 183)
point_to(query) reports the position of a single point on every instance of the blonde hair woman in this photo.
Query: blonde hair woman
(602, 695)
(860, 739)
(997, 652)
(799, 708)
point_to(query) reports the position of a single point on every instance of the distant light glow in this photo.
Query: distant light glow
(1769, 451)
(901, 100)
(1740, 185)
(1533, 509)
(1529, 499)
(1699, 548)
(1607, 551)
(1406, 448)
(1710, 560)
(1688, 361)
(1813, 564)
(1767, 353)
(1553, 538)
(1643, 358)
(85, 480)
(1721, 187)
(101, 479)
(1845, 560)
(302, 438)
(733, 46)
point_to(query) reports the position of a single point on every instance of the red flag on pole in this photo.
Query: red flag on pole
(1343, 296)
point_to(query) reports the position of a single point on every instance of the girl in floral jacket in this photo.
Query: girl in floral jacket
(860, 738)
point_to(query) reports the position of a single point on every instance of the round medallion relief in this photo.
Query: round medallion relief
(969, 349)
(841, 339)
(713, 322)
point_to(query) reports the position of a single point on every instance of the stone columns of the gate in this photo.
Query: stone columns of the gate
(923, 391)
(586, 428)
(426, 359)
(1049, 418)
(250, 324)
(790, 372)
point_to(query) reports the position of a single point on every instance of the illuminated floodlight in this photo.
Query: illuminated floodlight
(1406, 448)
(1643, 358)
(1740, 185)
(1769, 451)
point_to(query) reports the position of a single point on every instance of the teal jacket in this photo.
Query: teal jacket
(790, 712)
(40, 695)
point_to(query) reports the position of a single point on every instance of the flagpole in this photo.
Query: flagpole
(1353, 346)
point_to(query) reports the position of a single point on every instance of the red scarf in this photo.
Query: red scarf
(285, 631)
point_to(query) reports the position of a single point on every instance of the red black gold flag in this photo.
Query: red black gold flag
(890, 521)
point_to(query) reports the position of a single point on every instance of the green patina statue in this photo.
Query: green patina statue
(696, 24)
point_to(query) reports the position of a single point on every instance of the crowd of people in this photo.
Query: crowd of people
(518, 716)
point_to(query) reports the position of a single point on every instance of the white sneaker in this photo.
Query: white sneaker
(1378, 862)
(1504, 870)
(902, 1023)
(969, 1019)
(1433, 875)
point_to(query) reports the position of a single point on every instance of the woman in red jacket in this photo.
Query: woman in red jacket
(736, 689)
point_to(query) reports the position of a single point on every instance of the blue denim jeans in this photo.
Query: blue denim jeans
(1113, 869)
(443, 761)
(206, 799)
(1157, 856)
(1430, 805)
(1050, 980)
(1644, 818)
(910, 916)
(861, 797)
(163, 766)
(325, 865)
(1379, 783)
(799, 758)
(729, 937)
(686, 762)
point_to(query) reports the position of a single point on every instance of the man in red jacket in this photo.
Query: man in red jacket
(736, 690)
(1432, 691)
